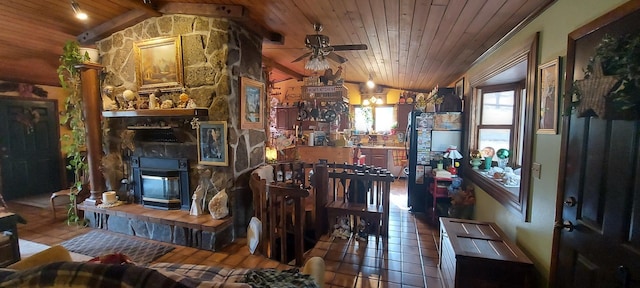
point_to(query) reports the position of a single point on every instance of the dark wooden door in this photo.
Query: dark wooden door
(598, 219)
(30, 141)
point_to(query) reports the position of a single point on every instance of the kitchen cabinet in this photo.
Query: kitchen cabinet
(402, 116)
(478, 254)
(376, 156)
(286, 117)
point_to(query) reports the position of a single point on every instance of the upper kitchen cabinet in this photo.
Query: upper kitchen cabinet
(286, 117)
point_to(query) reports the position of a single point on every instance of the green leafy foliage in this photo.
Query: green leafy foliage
(620, 57)
(72, 117)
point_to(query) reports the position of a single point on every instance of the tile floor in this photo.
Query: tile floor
(409, 259)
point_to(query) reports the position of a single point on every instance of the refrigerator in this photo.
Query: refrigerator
(428, 134)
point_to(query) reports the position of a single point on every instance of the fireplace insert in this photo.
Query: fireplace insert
(161, 183)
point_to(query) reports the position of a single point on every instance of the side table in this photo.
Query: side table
(9, 249)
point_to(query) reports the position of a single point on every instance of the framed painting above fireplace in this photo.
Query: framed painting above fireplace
(212, 143)
(158, 63)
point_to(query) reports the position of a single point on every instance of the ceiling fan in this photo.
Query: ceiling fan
(320, 47)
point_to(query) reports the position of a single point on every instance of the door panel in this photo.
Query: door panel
(600, 168)
(32, 164)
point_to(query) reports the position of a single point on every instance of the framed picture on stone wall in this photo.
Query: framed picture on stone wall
(158, 63)
(251, 104)
(212, 143)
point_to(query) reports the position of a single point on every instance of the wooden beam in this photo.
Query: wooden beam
(117, 23)
(268, 62)
(138, 5)
(234, 12)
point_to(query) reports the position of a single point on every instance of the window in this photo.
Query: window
(501, 115)
(501, 119)
(373, 118)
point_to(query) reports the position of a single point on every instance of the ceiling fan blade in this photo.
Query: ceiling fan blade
(349, 47)
(305, 55)
(336, 57)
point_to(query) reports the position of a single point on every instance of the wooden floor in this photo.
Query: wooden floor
(409, 260)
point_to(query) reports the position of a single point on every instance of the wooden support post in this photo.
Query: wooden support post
(92, 116)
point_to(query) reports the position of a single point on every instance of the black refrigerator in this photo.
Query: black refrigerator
(428, 134)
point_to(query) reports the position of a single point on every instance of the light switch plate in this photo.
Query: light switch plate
(536, 170)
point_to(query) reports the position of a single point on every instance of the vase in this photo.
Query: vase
(475, 163)
(487, 163)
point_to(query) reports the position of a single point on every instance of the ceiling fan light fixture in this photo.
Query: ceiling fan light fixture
(77, 11)
(366, 102)
(317, 63)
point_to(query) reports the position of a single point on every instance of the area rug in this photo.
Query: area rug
(98, 242)
(41, 201)
(28, 248)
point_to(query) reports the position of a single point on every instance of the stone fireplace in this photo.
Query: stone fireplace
(215, 54)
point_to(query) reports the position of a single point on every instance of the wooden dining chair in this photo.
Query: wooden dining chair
(287, 214)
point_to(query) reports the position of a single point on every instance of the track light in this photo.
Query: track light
(370, 82)
(76, 10)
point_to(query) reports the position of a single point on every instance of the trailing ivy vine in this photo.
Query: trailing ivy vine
(73, 144)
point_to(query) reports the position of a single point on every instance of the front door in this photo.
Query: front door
(30, 141)
(598, 219)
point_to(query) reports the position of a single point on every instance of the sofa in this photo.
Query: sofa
(53, 268)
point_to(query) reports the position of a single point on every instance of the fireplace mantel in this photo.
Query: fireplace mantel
(176, 112)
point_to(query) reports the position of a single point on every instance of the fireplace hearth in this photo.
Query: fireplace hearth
(161, 183)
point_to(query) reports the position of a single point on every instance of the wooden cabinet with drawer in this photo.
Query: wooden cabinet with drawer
(477, 254)
(376, 156)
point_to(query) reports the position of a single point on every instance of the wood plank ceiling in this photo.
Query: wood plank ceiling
(413, 44)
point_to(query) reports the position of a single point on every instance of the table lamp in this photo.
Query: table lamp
(453, 154)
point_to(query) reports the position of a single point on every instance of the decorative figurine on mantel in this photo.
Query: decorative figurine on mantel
(203, 193)
(153, 101)
(130, 97)
(186, 102)
(108, 103)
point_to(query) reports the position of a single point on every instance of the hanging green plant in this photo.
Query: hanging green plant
(617, 61)
(73, 143)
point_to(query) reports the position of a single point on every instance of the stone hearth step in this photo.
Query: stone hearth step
(170, 226)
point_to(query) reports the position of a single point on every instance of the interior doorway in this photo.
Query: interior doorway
(30, 145)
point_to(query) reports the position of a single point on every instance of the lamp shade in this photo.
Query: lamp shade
(453, 153)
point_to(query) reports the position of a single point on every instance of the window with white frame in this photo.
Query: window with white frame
(501, 119)
(371, 119)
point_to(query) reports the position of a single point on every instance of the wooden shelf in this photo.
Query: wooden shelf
(176, 112)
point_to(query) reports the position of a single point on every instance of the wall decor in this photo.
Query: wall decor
(158, 63)
(251, 104)
(459, 88)
(548, 77)
(212, 143)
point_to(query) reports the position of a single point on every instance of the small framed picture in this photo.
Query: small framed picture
(212, 143)
(251, 104)
(158, 63)
(548, 77)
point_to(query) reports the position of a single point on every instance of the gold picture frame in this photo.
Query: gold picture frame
(251, 104)
(548, 85)
(158, 63)
(212, 143)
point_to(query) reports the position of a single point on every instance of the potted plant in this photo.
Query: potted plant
(73, 143)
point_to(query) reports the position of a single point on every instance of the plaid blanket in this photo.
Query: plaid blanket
(77, 274)
(257, 278)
